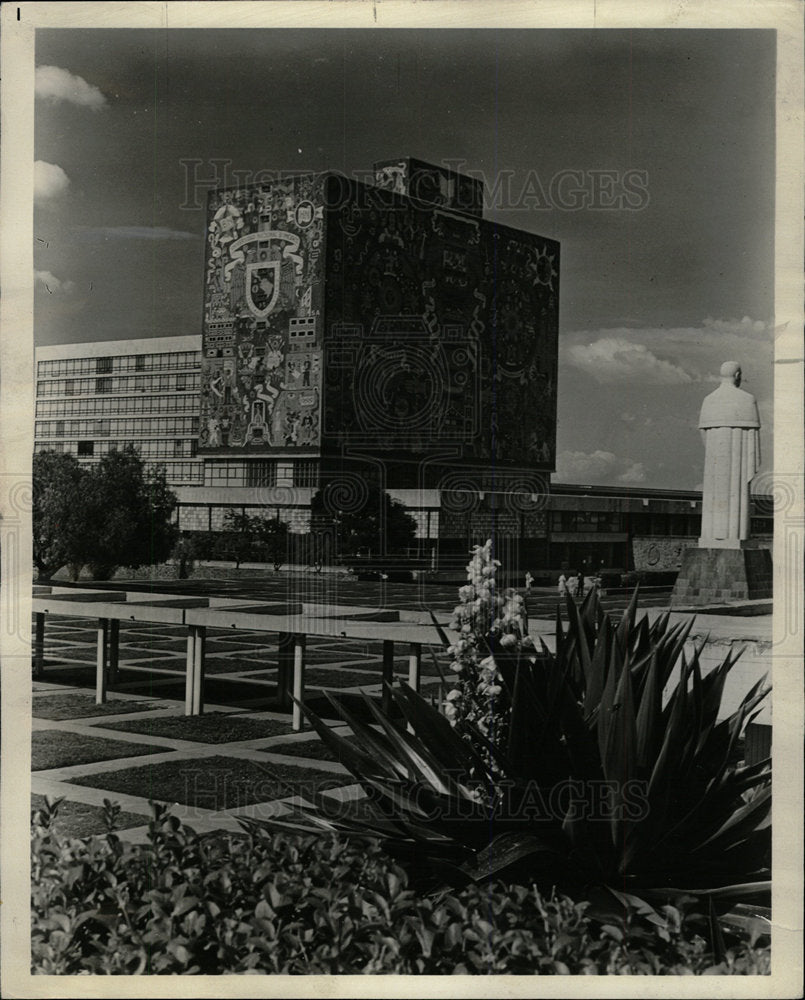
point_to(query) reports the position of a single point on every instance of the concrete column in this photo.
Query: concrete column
(39, 645)
(285, 652)
(414, 665)
(114, 649)
(100, 661)
(298, 679)
(198, 670)
(189, 670)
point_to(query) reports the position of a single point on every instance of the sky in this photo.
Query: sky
(649, 155)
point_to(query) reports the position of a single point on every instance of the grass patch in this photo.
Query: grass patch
(314, 749)
(217, 727)
(214, 782)
(78, 819)
(336, 678)
(160, 645)
(53, 748)
(83, 653)
(81, 706)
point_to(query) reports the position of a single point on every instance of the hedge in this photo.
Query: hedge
(272, 903)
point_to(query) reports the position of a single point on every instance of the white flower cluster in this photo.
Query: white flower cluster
(482, 616)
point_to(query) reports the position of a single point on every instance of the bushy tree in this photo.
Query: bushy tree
(249, 536)
(60, 529)
(272, 539)
(130, 509)
(380, 524)
(115, 514)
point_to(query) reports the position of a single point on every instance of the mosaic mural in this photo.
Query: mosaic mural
(378, 321)
(261, 349)
(441, 328)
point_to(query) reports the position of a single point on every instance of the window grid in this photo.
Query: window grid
(261, 473)
(170, 361)
(139, 427)
(113, 384)
(187, 448)
(306, 473)
(115, 407)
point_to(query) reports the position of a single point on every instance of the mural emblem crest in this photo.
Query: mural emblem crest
(262, 287)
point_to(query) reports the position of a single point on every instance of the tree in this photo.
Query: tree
(237, 541)
(60, 529)
(272, 538)
(130, 511)
(381, 524)
(115, 514)
(249, 536)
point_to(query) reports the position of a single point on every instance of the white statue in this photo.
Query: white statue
(730, 429)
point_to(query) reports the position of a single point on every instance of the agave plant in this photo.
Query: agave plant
(617, 772)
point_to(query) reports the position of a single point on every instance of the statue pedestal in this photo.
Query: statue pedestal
(722, 574)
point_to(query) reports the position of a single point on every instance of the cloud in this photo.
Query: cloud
(616, 359)
(55, 85)
(636, 473)
(597, 467)
(50, 283)
(89, 233)
(671, 355)
(49, 180)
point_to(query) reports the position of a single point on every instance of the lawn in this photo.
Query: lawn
(81, 706)
(78, 819)
(216, 727)
(313, 749)
(55, 748)
(214, 782)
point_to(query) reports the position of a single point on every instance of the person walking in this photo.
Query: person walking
(562, 585)
(580, 585)
(529, 579)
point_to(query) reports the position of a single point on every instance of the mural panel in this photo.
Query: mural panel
(441, 328)
(261, 346)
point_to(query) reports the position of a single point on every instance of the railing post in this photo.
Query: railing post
(298, 680)
(39, 645)
(100, 661)
(114, 649)
(414, 665)
(285, 666)
(198, 670)
(189, 669)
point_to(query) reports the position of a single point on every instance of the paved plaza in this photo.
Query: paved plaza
(242, 757)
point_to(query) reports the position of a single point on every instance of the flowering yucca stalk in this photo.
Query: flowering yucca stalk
(492, 631)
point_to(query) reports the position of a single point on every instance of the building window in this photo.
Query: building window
(86, 449)
(69, 387)
(306, 473)
(59, 428)
(261, 473)
(103, 366)
(103, 385)
(139, 363)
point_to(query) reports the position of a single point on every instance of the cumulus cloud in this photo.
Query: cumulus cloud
(55, 85)
(671, 355)
(617, 359)
(592, 467)
(636, 473)
(49, 180)
(50, 283)
(135, 233)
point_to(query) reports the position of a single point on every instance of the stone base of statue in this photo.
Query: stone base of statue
(723, 572)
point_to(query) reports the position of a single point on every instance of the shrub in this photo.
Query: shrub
(617, 780)
(278, 903)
